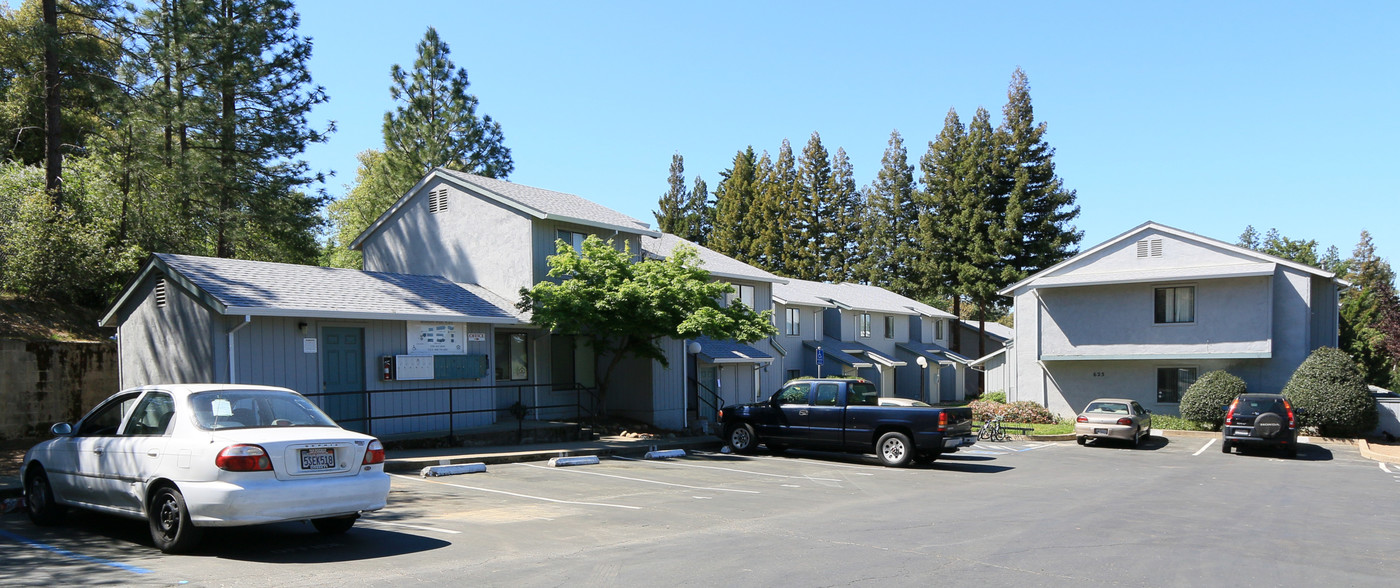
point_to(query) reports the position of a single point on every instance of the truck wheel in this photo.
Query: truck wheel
(741, 438)
(895, 449)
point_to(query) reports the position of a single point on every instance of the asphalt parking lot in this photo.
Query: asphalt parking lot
(1176, 512)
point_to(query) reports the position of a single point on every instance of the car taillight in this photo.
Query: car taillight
(1292, 424)
(1230, 415)
(374, 453)
(721, 415)
(1082, 419)
(1125, 421)
(243, 458)
(942, 421)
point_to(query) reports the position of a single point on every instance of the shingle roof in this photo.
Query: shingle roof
(854, 296)
(933, 351)
(550, 204)
(994, 329)
(718, 264)
(236, 286)
(718, 351)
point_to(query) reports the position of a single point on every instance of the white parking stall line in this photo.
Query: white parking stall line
(982, 452)
(643, 480)
(1204, 447)
(834, 465)
(517, 495)
(1384, 469)
(692, 465)
(364, 520)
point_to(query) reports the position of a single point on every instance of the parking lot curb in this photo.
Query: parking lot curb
(1391, 455)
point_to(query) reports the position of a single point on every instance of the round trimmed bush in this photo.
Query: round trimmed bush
(1206, 399)
(1332, 395)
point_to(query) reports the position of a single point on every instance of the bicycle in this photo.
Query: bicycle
(991, 430)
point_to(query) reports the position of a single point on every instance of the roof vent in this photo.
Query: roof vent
(160, 293)
(437, 201)
(1149, 248)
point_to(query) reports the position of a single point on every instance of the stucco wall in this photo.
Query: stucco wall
(170, 344)
(42, 383)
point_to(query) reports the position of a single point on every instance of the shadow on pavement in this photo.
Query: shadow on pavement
(1306, 452)
(1152, 443)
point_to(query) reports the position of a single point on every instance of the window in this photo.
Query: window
(742, 294)
(795, 394)
(1175, 305)
(864, 324)
(794, 321)
(1173, 382)
(104, 420)
(826, 395)
(573, 239)
(152, 415)
(938, 329)
(889, 327)
(862, 394)
(512, 363)
(794, 374)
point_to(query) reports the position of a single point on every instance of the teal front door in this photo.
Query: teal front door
(343, 376)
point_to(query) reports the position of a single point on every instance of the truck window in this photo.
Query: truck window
(826, 395)
(863, 394)
(795, 394)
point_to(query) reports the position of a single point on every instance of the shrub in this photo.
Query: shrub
(1023, 411)
(1332, 395)
(997, 396)
(1206, 399)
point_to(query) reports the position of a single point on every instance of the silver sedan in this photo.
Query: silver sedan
(1113, 418)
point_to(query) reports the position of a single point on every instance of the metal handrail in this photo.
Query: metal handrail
(713, 401)
(583, 407)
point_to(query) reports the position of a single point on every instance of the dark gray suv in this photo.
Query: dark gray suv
(1265, 420)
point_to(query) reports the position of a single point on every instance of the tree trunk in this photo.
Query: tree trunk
(981, 347)
(955, 334)
(53, 122)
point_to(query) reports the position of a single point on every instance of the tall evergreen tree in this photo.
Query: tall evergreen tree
(894, 240)
(809, 259)
(942, 204)
(699, 213)
(1037, 229)
(983, 271)
(435, 122)
(776, 212)
(841, 248)
(671, 218)
(1361, 313)
(732, 234)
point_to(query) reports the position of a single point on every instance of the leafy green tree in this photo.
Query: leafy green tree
(1361, 313)
(435, 122)
(671, 218)
(372, 193)
(625, 308)
(1037, 231)
(1332, 394)
(732, 234)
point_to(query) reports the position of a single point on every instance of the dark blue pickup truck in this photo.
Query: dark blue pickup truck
(844, 414)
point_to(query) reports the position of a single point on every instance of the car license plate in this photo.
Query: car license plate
(317, 459)
(1242, 432)
(1100, 431)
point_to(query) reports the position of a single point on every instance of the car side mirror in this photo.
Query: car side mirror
(61, 430)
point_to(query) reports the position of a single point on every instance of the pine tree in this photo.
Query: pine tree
(810, 259)
(842, 244)
(731, 234)
(699, 213)
(1249, 239)
(943, 245)
(1361, 312)
(983, 271)
(435, 123)
(894, 250)
(776, 212)
(1036, 230)
(675, 202)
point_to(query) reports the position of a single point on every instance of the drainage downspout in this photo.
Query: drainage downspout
(232, 355)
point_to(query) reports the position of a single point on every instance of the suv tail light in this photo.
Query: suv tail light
(1125, 421)
(243, 458)
(374, 453)
(1292, 423)
(1230, 415)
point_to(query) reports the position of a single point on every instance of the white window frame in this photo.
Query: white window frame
(863, 325)
(794, 322)
(1180, 391)
(1171, 313)
(938, 329)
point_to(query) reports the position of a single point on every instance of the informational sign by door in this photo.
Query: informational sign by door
(436, 338)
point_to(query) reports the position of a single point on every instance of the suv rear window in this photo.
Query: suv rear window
(1260, 404)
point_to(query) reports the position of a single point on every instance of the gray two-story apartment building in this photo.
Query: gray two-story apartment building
(1145, 313)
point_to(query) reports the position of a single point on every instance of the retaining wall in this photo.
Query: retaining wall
(46, 382)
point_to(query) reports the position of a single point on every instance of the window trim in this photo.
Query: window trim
(863, 325)
(889, 326)
(1179, 390)
(505, 368)
(793, 327)
(1173, 287)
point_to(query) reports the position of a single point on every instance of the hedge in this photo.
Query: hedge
(1332, 395)
(1207, 398)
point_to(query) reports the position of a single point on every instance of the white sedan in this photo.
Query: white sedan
(184, 457)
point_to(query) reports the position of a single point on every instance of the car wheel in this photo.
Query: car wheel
(38, 497)
(1224, 446)
(775, 448)
(1082, 439)
(1137, 439)
(895, 449)
(741, 438)
(334, 525)
(170, 522)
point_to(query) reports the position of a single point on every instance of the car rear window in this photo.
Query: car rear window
(1108, 407)
(863, 394)
(246, 409)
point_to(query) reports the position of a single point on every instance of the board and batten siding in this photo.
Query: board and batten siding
(171, 344)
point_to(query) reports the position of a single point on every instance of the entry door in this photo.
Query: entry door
(709, 391)
(343, 370)
(947, 383)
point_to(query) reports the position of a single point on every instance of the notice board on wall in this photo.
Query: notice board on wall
(436, 338)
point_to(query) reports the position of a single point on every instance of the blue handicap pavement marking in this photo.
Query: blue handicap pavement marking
(77, 556)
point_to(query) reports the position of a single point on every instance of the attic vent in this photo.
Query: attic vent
(1149, 248)
(160, 293)
(437, 201)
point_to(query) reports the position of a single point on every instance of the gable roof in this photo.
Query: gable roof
(535, 202)
(260, 288)
(995, 330)
(718, 264)
(725, 351)
(848, 296)
(1264, 265)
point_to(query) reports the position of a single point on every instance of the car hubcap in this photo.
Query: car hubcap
(740, 439)
(169, 517)
(894, 450)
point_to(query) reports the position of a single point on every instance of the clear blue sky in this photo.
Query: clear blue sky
(1207, 116)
